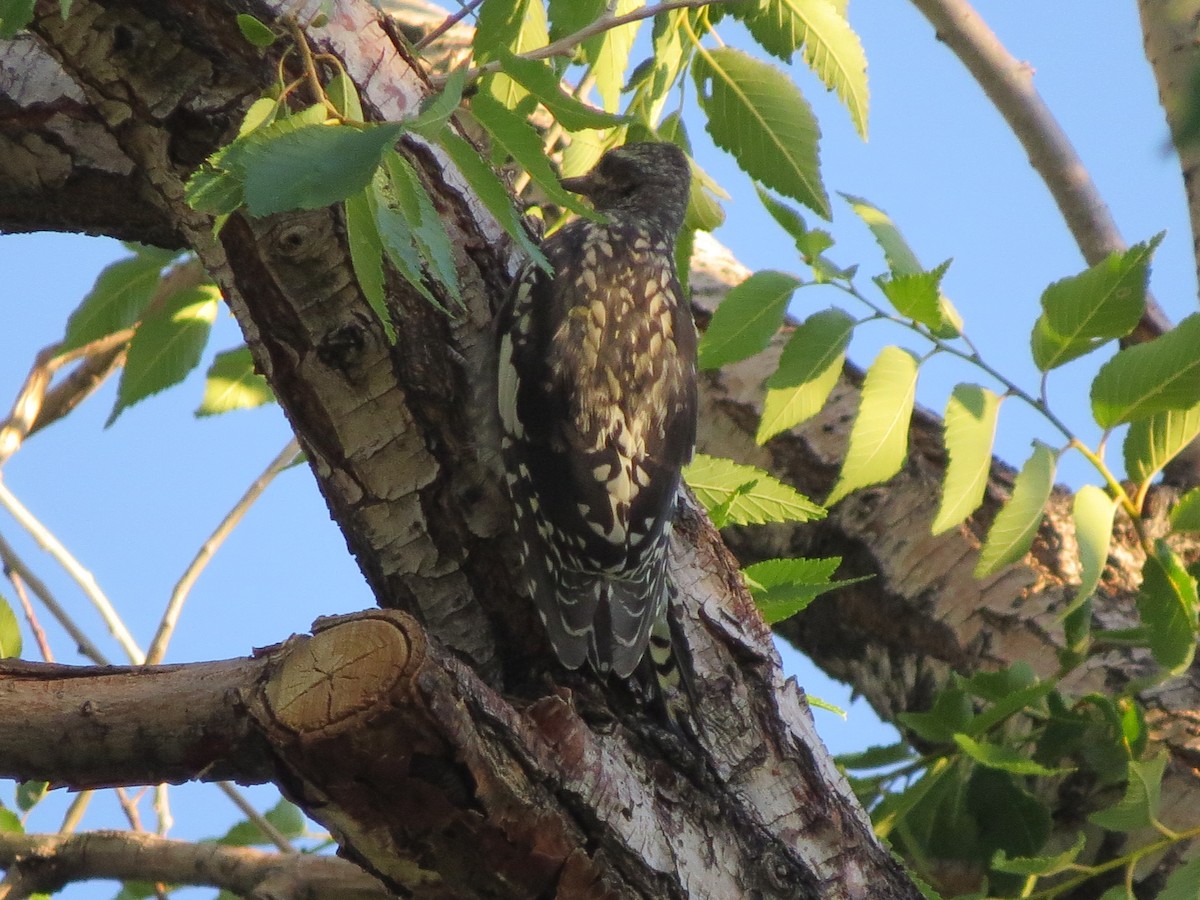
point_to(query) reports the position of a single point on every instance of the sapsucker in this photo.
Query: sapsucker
(597, 395)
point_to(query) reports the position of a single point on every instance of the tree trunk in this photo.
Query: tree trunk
(437, 741)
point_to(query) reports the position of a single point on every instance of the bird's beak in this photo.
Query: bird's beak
(581, 184)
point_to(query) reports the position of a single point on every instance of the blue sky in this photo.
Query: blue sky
(134, 502)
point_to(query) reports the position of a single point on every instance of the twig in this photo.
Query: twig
(170, 617)
(273, 834)
(1009, 85)
(75, 812)
(82, 577)
(14, 564)
(449, 23)
(39, 634)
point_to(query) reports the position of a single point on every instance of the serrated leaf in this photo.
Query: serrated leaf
(366, 255)
(970, 428)
(232, 383)
(1186, 514)
(1154, 441)
(746, 319)
(399, 240)
(515, 25)
(1152, 377)
(879, 435)
(14, 15)
(255, 31)
(1093, 512)
(491, 192)
(1168, 604)
(1006, 759)
(1183, 883)
(437, 110)
(413, 201)
(809, 367)
(1040, 865)
(830, 46)
(1104, 301)
(516, 136)
(313, 166)
(608, 53)
(950, 715)
(10, 630)
(917, 295)
(769, 500)
(284, 816)
(1016, 525)
(167, 345)
(783, 587)
(116, 301)
(756, 113)
(569, 16)
(545, 84)
(1139, 807)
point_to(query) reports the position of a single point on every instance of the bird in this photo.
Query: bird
(597, 401)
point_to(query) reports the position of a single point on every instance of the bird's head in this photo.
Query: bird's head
(650, 180)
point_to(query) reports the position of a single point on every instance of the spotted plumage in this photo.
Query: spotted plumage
(598, 402)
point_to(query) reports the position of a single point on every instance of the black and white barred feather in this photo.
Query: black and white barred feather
(598, 402)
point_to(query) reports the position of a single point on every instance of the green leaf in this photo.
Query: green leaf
(1168, 604)
(343, 94)
(116, 301)
(284, 816)
(757, 114)
(783, 587)
(399, 241)
(10, 630)
(30, 794)
(366, 255)
(546, 85)
(1087, 310)
(1139, 807)
(1154, 441)
(514, 25)
(1040, 865)
(809, 367)
(877, 757)
(879, 435)
(255, 31)
(413, 201)
(437, 110)
(767, 500)
(608, 53)
(1006, 759)
(746, 319)
(917, 295)
(232, 383)
(830, 46)
(1186, 514)
(167, 345)
(516, 136)
(569, 16)
(491, 192)
(1016, 525)
(1184, 882)
(1008, 816)
(1093, 512)
(14, 15)
(9, 822)
(313, 166)
(971, 415)
(950, 715)
(1147, 378)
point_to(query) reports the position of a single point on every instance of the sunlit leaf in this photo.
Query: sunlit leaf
(971, 415)
(546, 85)
(1154, 441)
(10, 630)
(1167, 603)
(1147, 378)
(1016, 525)
(1093, 512)
(1186, 514)
(608, 53)
(783, 587)
(768, 499)
(232, 383)
(514, 25)
(1139, 807)
(116, 301)
(998, 756)
(809, 367)
(879, 435)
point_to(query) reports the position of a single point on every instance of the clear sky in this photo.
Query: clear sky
(134, 502)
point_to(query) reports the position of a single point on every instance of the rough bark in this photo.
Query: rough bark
(457, 767)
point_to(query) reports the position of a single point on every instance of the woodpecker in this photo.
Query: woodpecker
(597, 397)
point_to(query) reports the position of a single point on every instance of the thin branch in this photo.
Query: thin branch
(170, 617)
(45, 862)
(31, 619)
(13, 563)
(450, 22)
(1008, 83)
(86, 581)
(273, 834)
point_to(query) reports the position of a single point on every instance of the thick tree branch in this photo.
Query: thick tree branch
(1008, 83)
(45, 863)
